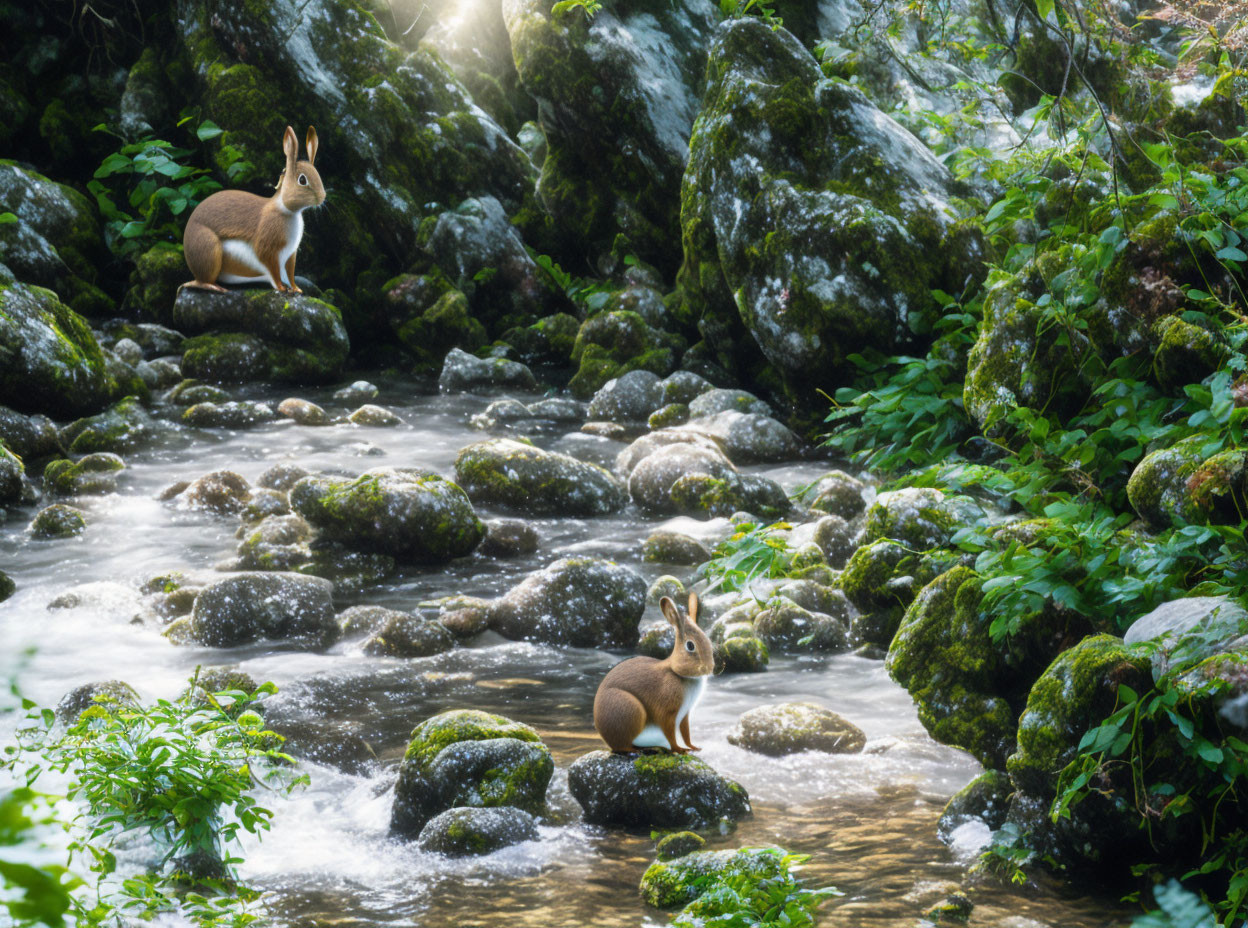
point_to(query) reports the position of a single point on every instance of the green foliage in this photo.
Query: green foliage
(589, 295)
(738, 9)
(143, 187)
(736, 899)
(182, 772)
(31, 894)
(1178, 909)
(590, 7)
(753, 551)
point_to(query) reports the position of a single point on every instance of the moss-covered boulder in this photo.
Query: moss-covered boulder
(812, 224)
(90, 475)
(985, 799)
(881, 579)
(748, 437)
(235, 414)
(12, 477)
(839, 494)
(260, 334)
(920, 517)
(407, 515)
(664, 547)
(102, 693)
(652, 482)
(654, 790)
(56, 240)
(678, 844)
(469, 758)
(278, 607)
(28, 437)
(629, 398)
(786, 626)
(667, 884)
(968, 688)
(278, 542)
(1077, 691)
(617, 96)
(1190, 483)
(788, 728)
(470, 832)
(466, 373)
(580, 602)
(1184, 353)
(124, 426)
(741, 651)
(611, 344)
(523, 477)
(430, 317)
(154, 282)
(49, 360)
(57, 521)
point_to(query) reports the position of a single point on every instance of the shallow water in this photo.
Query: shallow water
(868, 820)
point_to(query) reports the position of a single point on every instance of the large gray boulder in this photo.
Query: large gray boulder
(667, 791)
(466, 373)
(528, 479)
(281, 607)
(577, 601)
(408, 515)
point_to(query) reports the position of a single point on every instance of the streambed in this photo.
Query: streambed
(868, 820)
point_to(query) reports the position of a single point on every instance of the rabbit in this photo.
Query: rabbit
(642, 701)
(237, 237)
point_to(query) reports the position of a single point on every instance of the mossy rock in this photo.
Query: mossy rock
(1185, 484)
(273, 606)
(462, 372)
(612, 344)
(90, 475)
(985, 799)
(58, 521)
(667, 884)
(7, 586)
(471, 832)
(742, 652)
(786, 626)
(663, 547)
(466, 757)
(789, 728)
(154, 282)
(125, 426)
(412, 516)
(920, 517)
(12, 476)
(837, 493)
(105, 693)
(409, 636)
(430, 317)
(881, 579)
(1185, 353)
(526, 478)
(654, 790)
(678, 844)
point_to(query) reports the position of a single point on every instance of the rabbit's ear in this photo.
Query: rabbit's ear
(693, 607)
(670, 611)
(290, 145)
(311, 143)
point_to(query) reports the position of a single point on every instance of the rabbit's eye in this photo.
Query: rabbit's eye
(303, 180)
(689, 646)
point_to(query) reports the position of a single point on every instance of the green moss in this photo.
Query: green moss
(1185, 353)
(430, 737)
(667, 884)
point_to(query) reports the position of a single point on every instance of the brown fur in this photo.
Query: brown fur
(260, 221)
(642, 690)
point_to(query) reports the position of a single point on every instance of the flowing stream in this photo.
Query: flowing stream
(867, 820)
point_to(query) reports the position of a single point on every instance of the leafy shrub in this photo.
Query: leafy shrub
(753, 551)
(742, 900)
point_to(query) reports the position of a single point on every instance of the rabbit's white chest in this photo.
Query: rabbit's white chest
(652, 736)
(294, 232)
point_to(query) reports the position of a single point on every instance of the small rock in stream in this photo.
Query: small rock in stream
(654, 790)
(468, 831)
(303, 412)
(788, 728)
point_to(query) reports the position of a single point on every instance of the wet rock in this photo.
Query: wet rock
(469, 832)
(628, 459)
(81, 698)
(278, 542)
(813, 224)
(881, 579)
(921, 517)
(500, 412)
(631, 397)
(160, 373)
(1184, 632)
(1182, 484)
(748, 438)
(53, 363)
(741, 651)
(839, 494)
(654, 790)
(656, 640)
(407, 635)
(578, 601)
(281, 477)
(189, 392)
(236, 414)
(303, 412)
(361, 391)
(508, 538)
(665, 586)
(670, 415)
(717, 400)
(90, 475)
(469, 758)
(223, 492)
(835, 539)
(678, 844)
(411, 516)
(986, 799)
(684, 387)
(264, 503)
(463, 616)
(430, 317)
(340, 745)
(260, 335)
(788, 728)
(28, 437)
(275, 606)
(12, 477)
(374, 416)
(350, 571)
(652, 482)
(784, 625)
(361, 621)
(128, 351)
(764, 497)
(674, 548)
(615, 343)
(126, 426)
(57, 521)
(666, 885)
(524, 477)
(7, 586)
(465, 373)
(1185, 353)
(612, 431)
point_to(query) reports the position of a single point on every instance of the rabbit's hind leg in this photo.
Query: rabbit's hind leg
(203, 251)
(619, 717)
